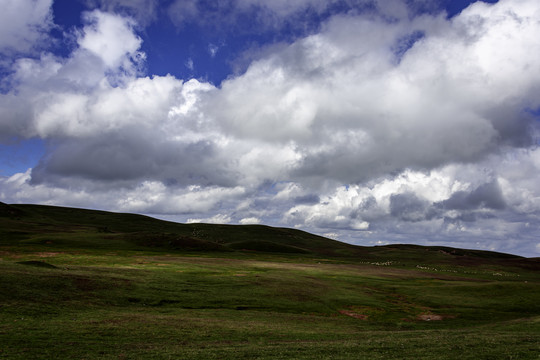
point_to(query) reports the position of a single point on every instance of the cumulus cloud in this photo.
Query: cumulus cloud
(369, 129)
(51, 95)
(354, 112)
(111, 39)
(216, 219)
(455, 205)
(250, 221)
(152, 197)
(24, 25)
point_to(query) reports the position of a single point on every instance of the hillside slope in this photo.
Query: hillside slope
(80, 228)
(40, 223)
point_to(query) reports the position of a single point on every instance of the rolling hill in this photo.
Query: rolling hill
(86, 284)
(80, 228)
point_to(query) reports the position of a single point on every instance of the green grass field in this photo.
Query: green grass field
(78, 284)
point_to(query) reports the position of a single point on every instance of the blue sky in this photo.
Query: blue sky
(368, 121)
(170, 46)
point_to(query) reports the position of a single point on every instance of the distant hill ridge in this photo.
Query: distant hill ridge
(79, 228)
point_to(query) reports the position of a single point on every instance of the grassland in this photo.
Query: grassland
(79, 284)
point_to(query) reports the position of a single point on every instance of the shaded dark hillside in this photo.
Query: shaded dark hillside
(9, 211)
(82, 228)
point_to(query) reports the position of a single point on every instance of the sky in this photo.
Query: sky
(367, 121)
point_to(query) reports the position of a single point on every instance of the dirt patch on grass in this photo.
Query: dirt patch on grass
(354, 314)
(361, 312)
(433, 317)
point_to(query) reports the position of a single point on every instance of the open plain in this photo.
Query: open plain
(82, 284)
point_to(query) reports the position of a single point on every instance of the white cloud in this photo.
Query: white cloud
(451, 205)
(216, 219)
(517, 178)
(326, 107)
(250, 221)
(155, 198)
(150, 197)
(111, 38)
(353, 111)
(24, 24)
(384, 130)
(18, 189)
(332, 235)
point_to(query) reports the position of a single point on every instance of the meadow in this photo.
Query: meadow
(79, 284)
